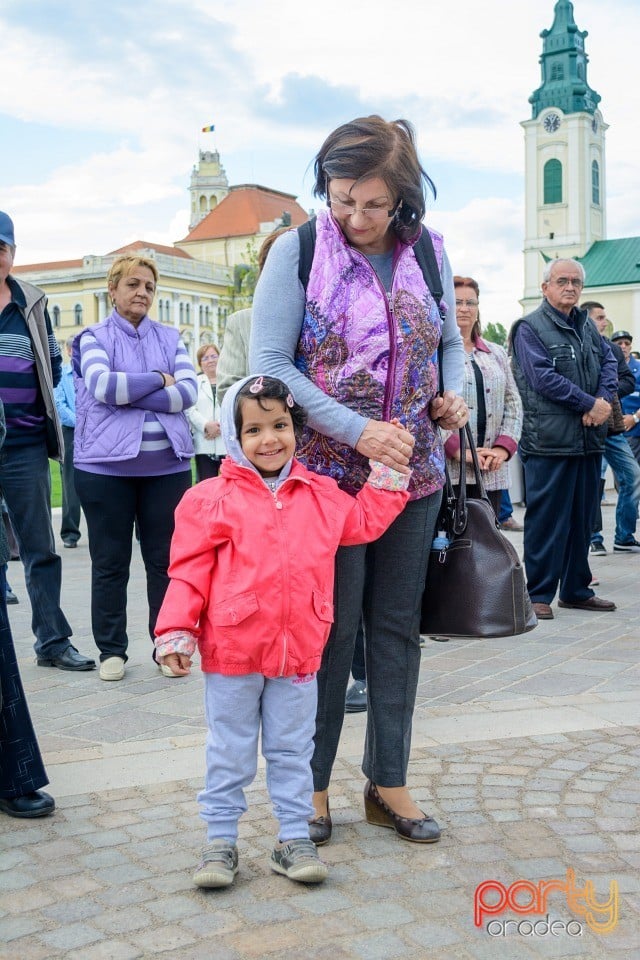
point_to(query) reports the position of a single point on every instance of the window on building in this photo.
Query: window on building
(55, 316)
(557, 71)
(203, 205)
(187, 312)
(595, 183)
(553, 181)
(160, 311)
(167, 307)
(181, 314)
(206, 316)
(77, 314)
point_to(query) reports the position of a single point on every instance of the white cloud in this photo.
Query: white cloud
(274, 80)
(484, 241)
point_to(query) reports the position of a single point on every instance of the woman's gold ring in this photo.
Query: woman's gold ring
(458, 414)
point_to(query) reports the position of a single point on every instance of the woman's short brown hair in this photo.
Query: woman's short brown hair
(123, 266)
(372, 147)
(203, 349)
(476, 329)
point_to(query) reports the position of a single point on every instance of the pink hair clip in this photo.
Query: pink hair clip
(257, 385)
(290, 400)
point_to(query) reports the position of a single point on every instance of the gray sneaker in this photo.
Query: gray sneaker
(218, 866)
(299, 860)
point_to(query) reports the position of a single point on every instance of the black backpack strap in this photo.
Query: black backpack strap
(426, 257)
(307, 240)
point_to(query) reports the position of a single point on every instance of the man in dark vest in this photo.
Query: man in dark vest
(566, 375)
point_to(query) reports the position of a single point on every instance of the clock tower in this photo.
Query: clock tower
(564, 155)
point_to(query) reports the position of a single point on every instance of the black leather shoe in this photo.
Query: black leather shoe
(69, 659)
(320, 828)
(37, 804)
(423, 830)
(11, 597)
(70, 544)
(356, 698)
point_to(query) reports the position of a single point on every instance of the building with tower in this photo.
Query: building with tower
(232, 232)
(565, 180)
(209, 185)
(196, 285)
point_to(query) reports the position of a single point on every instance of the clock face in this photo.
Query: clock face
(551, 122)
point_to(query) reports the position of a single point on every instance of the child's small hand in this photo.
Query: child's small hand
(179, 663)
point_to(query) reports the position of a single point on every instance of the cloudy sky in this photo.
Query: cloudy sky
(103, 106)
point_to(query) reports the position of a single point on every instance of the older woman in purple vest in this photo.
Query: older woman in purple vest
(358, 346)
(132, 450)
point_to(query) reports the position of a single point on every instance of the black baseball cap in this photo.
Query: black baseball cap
(622, 335)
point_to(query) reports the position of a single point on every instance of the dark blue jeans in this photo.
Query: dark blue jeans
(70, 527)
(111, 507)
(626, 470)
(383, 581)
(26, 485)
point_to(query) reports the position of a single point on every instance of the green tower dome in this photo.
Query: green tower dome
(564, 67)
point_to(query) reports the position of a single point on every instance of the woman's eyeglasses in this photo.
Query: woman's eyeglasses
(466, 303)
(347, 208)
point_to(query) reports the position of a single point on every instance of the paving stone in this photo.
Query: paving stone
(12, 928)
(112, 950)
(513, 805)
(385, 947)
(69, 936)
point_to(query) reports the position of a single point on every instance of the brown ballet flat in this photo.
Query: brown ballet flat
(422, 830)
(320, 828)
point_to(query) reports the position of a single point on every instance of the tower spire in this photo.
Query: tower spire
(564, 67)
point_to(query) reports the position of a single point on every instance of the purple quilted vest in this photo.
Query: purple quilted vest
(373, 353)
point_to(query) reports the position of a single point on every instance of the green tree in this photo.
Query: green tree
(496, 333)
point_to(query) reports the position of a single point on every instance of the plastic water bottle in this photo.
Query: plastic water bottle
(440, 543)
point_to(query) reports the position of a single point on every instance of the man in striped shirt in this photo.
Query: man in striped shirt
(30, 365)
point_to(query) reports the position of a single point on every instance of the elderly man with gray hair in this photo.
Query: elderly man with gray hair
(567, 376)
(65, 397)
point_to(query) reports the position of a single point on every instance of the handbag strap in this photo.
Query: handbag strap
(459, 502)
(460, 511)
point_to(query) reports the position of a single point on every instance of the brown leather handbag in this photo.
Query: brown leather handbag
(475, 585)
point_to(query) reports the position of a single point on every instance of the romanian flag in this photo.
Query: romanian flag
(208, 129)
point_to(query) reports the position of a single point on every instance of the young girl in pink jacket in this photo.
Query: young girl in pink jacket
(252, 567)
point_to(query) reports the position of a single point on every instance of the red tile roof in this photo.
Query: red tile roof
(245, 207)
(146, 245)
(52, 265)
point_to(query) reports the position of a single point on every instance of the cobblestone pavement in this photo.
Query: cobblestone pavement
(526, 750)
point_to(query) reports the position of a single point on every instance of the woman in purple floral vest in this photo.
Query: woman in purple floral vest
(358, 346)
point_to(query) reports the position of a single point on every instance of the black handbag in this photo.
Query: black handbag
(475, 585)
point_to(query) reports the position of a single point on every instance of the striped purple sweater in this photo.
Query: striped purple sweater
(141, 388)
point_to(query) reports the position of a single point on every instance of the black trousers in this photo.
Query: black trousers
(562, 498)
(21, 767)
(381, 583)
(207, 467)
(111, 506)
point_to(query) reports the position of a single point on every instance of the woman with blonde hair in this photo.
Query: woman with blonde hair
(132, 451)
